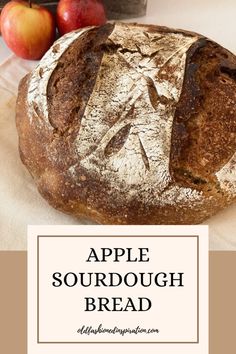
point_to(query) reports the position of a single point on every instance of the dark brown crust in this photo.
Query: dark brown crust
(84, 59)
(86, 195)
(204, 128)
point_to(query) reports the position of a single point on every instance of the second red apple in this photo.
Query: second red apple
(74, 14)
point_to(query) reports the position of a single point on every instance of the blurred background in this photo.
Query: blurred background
(115, 8)
(213, 18)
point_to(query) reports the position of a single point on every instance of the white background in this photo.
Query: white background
(61, 314)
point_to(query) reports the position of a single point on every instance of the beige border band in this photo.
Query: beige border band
(13, 302)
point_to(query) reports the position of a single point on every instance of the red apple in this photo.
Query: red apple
(28, 29)
(74, 14)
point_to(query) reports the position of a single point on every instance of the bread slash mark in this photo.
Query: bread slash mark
(117, 141)
(153, 94)
(144, 155)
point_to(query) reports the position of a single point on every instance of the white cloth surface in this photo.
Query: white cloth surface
(20, 203)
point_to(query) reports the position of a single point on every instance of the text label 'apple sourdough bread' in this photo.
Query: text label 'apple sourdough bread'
(132, 124)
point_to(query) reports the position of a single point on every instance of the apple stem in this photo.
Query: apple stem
(30, 3)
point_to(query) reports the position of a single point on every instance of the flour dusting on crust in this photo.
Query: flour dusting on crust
(141, 84)
(227, 176)
(125, 132)
(38, 83)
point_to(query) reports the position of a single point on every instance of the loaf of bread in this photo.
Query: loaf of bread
(132, 124)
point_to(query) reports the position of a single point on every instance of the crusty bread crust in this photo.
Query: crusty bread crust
(132, 124)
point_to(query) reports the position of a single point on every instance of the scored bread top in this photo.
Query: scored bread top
(117, 111)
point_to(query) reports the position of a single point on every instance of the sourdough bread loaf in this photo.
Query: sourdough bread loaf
(132, 124)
